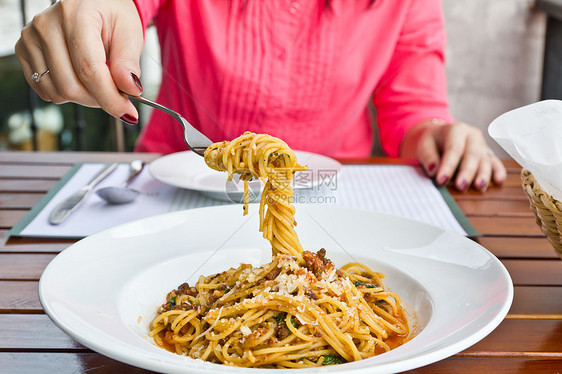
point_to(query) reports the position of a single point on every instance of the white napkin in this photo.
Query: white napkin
(532, 135)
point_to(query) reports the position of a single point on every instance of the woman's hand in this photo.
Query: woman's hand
(457, 149)
(91, 49)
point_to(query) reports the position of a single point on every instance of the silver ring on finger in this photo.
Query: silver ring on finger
(36, 76)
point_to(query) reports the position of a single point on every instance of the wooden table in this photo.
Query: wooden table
(528, 340)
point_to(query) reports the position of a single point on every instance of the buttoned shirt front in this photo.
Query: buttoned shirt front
(299, 70)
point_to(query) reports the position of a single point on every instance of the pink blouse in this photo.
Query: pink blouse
(297, 70)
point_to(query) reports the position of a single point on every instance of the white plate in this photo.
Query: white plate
(188, 170)
(97, 289)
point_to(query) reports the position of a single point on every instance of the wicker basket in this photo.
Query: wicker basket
(547, 210)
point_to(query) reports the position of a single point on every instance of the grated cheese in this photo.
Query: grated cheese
(245, 330)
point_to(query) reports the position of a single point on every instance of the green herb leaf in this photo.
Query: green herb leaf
(227, 290)
(172, 301)
(359, 283)
(330, 359)
(280, 317)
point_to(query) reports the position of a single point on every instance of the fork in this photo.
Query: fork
(194, 139)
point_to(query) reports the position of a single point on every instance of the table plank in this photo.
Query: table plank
(47, 172)
(462, 365)
(62, 363)
(492, 193)
(513, 178)
(10, 217)
(537, 300)
(23, 201)
(26, 185)
(33, 332)
(19, 297)
(520, 247)
(507, 207)
(506, 226)
(23, 266)
(515, 335)
(535, 272)
(18, 244)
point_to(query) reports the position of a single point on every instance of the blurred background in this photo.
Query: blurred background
(495, 61)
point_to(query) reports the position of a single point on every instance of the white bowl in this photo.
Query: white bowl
(104, 290)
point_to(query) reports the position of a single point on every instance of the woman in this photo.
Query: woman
(303, 71)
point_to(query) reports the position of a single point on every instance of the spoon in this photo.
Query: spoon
(123, 194)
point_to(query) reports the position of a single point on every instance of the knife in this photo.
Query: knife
(71, 203)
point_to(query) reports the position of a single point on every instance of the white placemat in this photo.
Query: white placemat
(395, 189)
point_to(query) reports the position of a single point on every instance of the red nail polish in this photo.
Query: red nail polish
(137, 81)
(431, 167)
(443, 180)
(483, 185)
(129, 119)
(463, 185)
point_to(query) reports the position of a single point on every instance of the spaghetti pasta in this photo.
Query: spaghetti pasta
(270, 159)
(296, 311)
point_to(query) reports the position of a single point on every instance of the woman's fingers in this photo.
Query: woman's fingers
(31, 58)
(452, 140)
(87, 49)
(484, 175)
(458, 151)
(466, 154)
(490, 169)
(428, 154)
(424, 143)
(42, 46)
(73, 39)
(472, 155)
(61, 84)
(124, 55)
